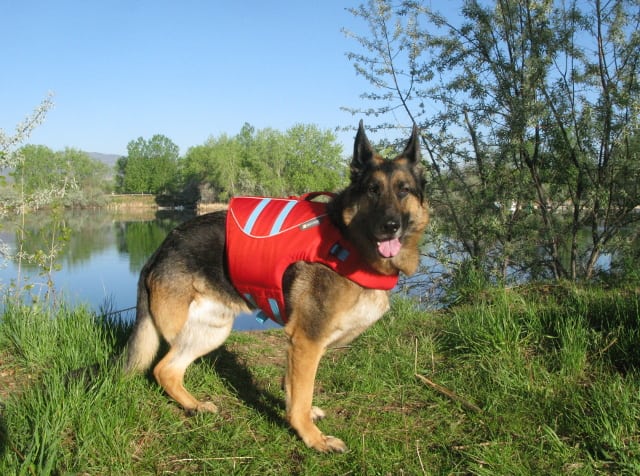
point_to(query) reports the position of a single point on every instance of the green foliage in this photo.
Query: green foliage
(529, 119)
(312, 160)
(215, 163)
(69, 177)
(253, 162)
(38, 169)
(265, 162)
(149, 167)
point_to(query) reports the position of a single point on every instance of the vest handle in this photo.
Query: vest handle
(311, 195)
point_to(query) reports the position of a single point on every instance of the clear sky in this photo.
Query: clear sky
(186, 69)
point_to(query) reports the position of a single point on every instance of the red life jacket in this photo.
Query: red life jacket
(267, 235)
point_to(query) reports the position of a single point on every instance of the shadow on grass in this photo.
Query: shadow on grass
(4, 432)
(236, 376)
(232, 371)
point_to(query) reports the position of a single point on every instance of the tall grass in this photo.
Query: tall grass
(553, 370)
(559, 374)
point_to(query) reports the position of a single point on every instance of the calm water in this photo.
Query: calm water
(100, 259)
(102, 254)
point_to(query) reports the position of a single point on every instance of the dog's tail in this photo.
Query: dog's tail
(145, 339)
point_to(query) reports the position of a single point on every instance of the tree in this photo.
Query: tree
(38, 169)
(215, 163)
(69, 175)
(529, 112)
(120, 173)
(150, 166)
(11, 157)
(263, 161)
(266, 162)
(313, 160)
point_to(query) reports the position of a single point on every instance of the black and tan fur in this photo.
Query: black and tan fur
(185, 296)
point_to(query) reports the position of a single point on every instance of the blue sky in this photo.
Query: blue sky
(186, 69)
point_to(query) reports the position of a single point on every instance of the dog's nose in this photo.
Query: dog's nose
(390, 226)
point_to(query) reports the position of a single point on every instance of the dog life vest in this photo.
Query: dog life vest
(266, 235)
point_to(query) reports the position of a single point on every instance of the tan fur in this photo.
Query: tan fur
(184, 295)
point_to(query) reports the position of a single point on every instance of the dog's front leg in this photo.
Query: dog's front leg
(303, 357)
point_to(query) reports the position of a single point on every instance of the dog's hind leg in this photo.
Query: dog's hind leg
(208, 325)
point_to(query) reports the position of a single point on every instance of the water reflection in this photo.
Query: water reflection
(100, 256)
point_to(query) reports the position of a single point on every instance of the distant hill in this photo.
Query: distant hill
(109, 159)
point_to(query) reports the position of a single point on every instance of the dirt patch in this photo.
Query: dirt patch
(12, 379)
(268, 347)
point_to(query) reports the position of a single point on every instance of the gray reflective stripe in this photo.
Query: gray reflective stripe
(255, 214)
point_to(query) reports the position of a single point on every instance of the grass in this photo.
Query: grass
(554, 371)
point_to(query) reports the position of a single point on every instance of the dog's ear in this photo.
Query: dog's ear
(412, 149)
(363, 153)
(411, 153)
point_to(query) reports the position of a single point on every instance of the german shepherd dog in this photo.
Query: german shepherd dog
(185, 295)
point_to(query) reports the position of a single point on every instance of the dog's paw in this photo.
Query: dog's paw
(330, 444)
(317, 414)
(202, 407)
(206, 407)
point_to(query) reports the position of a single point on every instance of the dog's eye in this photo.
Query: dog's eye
(374, 189)
(403, 190)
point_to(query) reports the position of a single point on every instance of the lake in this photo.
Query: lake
(100, 256)
(102, 253)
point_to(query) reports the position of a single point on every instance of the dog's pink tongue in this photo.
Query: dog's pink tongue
(389, 248)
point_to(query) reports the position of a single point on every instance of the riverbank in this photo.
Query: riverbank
(150, 202)
(525, 381)
(131, 201)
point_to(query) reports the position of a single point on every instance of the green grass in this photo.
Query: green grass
(554, 370)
